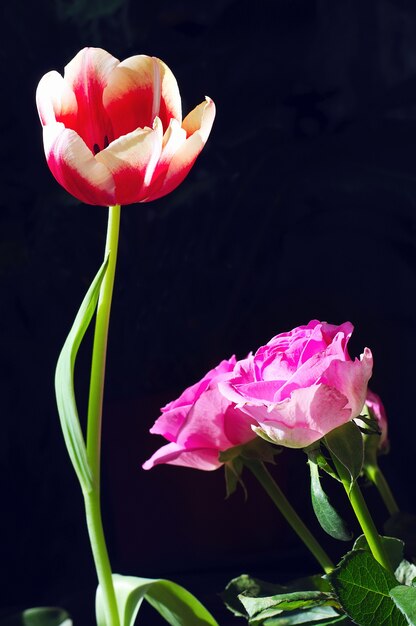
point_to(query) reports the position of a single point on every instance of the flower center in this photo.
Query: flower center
(96, 148)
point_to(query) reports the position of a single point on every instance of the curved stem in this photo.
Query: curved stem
(276, 494)
(374, 473)
(95, 403)
(363, 515)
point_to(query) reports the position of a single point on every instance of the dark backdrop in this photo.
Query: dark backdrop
(301, 206)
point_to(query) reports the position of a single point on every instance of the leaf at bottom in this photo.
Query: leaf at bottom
(39, 616)
(405, 599)
(362, 587)
(174, 603)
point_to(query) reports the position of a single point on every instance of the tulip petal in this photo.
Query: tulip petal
(55, 100)
(87, 75)
(139, 89)
(199, 122)
(132, 160)
(75, 168)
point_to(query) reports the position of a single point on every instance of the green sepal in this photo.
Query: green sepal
(174, 603)
(233, 460)
(233, 470)
(394, 548)
(64, 384)
(371, 425)
(362, 587)
(315, 454)
(256, 449)
(39, 616)
(326, 515)
(347, 445)
(405, 600)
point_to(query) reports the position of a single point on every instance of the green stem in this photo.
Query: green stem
(276, 494)
(363, 515)
(374, 473)
(95, 404)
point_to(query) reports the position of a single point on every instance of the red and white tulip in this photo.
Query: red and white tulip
(113, 131)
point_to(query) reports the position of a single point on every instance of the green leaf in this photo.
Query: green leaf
(405, 600)
(64, 383)
(261, 608)
(253, 588)
(347, 445)
(174, 603)
(406, 573)
(317, 616)
(394, 548)
(327, 516)
(39, 616)
(250, 587)
(362, 587)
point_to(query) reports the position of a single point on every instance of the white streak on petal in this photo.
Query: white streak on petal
(156, 88)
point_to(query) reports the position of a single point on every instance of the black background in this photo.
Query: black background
(301, 206)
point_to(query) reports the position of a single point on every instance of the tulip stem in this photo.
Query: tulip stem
(276, 494)
(363, 515)
(376, 476)
(95, 404)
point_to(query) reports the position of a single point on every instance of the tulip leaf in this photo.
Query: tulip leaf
(327, 516)
(347, 445)
(64, 383)
(174, 603)
(39, 616)
(363, 588)
(405, 599)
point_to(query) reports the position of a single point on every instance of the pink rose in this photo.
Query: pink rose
(200, 424)
(302, 384)
(374, 403)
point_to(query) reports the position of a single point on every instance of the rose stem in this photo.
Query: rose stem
(95, 403)
(276, 494)
(363, 515)
(374, 473)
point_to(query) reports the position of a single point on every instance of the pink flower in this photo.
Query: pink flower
(302, 384)
(374, 403)
(113, 132)
(200, 424)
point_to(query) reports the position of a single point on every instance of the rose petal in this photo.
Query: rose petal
(304, 418)
(351, 378)
(174, 454)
